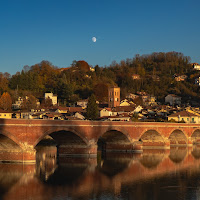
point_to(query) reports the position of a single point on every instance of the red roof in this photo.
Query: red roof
(183, 113)
(124, 109)
(76, 109)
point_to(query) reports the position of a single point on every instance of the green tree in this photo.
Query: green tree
(92, 108)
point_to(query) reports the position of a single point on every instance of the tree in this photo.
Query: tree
(47, 103)
(6, 101)
(92, 108)
(101, 91)
(29, 102)
(82, 65)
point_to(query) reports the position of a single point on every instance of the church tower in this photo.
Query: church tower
(113, 97)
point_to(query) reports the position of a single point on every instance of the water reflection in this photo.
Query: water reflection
(154, 174)
(177, 154)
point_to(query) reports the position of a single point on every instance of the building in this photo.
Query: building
(180, 77)
(52, 96)
(83, 103)
(197, 81)
(105, 112)
(17, 104)
(136, 77)
(113, 97)
(185, 116)
(5, 114)
(173, 99)
(196, 66)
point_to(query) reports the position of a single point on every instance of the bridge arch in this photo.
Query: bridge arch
(11, 137)
(68, 142)
(151, 137)
(196, 136)
(178, 137)
(63, 129)
(115, 139)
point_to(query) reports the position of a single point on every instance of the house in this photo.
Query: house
(49, 116)
(197, 81)
(26, 115)
(17, 104)
(126, 102)
(185, 116)
(83, 103)
(180, 77)
(149, 100)
(173, 99)
(131, 96)
(5, 114)
(73, 110)
(79, 116)
(196, 66)
(61, 109)
(123, 109)
(105, 112)
(120, 117)
(136, 77)
(52, 96)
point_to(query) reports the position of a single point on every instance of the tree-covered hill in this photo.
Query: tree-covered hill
(156, 74)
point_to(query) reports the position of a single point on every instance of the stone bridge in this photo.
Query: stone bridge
(20, 138)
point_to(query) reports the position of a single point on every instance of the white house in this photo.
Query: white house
(52, 96)
(105, 112)
(79, 116)
(83, 103)
(196, 66)
(18, 103)
(186, 116)
(197, 81)
(173, 99)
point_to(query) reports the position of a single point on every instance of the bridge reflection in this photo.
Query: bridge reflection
(86, 177)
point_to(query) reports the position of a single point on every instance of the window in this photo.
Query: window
(192, 119)
(187, 119)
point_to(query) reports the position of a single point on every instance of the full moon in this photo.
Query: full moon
(94, 39)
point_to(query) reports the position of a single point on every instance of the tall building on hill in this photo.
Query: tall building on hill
(113, 97)
(52, 96)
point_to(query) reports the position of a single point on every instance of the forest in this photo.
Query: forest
(156, 73)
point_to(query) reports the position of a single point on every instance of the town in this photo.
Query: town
(82, 95)
(136, 107)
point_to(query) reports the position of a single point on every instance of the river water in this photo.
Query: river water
(155, 174)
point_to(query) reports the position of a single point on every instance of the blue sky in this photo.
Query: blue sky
(61, 31)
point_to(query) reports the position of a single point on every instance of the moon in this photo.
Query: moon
(94, 39)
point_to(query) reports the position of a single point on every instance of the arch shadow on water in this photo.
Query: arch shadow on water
(113, 163)
(196, 151)
(178, 154)
(151, 158)
(58, 162)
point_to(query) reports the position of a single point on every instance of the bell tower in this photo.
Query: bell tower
(113, 97)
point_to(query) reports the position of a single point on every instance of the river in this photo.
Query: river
(154, 174)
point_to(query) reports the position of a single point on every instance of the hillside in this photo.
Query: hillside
(155, 74)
